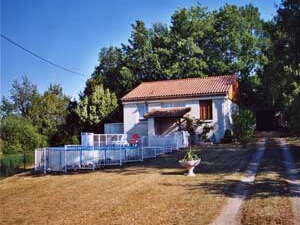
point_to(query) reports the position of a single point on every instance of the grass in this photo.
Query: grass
(269, 203)
(152, 192)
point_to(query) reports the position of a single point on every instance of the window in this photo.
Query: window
(142, 109)
(205, 109)
(173, 104)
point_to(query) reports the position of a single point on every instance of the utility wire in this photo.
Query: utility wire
(40, 57)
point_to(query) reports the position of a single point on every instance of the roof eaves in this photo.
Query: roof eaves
(172, 96)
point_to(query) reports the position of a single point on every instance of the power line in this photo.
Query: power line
(40, 57)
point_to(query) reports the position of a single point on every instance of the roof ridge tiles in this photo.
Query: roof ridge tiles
(187, 87)
(188, 78)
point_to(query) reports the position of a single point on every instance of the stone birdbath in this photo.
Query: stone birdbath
(190, 161)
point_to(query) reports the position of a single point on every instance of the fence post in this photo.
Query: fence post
(120, 155)
(164, 144)
(142, 149)
(45, 160)
(24, 161)
(35, 153)
(93, 157)
(80, 157)
(176, 139)
(125, 154)
(105, 155)
(65, 159)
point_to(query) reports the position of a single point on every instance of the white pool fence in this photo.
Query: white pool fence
(107, 150)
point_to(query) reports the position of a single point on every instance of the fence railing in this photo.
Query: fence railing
(91, 139)
(72, 157)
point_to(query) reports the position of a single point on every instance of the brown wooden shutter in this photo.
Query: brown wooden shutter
(205, 109)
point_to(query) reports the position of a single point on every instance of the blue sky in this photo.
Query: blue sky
(71, 33)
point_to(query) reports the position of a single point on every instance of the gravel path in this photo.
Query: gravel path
(228, 215)
(293, 179)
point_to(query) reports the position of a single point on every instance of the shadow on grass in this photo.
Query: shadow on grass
(271, 180)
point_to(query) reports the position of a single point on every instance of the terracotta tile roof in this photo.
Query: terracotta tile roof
(189, 87)
(168, 112)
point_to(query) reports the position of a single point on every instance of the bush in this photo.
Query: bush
(227, 136)
(294, 116)
(75, 140)
(243, 126)
(13, 163)
(1, 147)
(19, 135)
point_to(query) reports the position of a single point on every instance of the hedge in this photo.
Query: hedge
(14, 163)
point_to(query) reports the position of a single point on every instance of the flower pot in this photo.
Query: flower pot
(190, 166)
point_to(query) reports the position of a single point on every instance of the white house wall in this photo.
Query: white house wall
(230, 109)
(195, 110)
(132, 125)
(218, 121)
(151, 122)
(222, 109)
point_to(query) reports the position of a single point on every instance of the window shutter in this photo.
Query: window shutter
(205, 109)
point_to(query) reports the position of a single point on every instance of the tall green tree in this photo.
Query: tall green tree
(281, 74)
(23, 96)
(288, 21)
(189, 33)
(95, 107)
(71, 128)
(18, 135)
(288, 24)
(294, 115)
(49, 113)
(196, 44)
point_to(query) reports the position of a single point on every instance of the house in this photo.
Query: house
(153, 108)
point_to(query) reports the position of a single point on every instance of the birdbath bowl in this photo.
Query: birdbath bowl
(190, 166)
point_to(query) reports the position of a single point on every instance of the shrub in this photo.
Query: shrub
(204, 135)
(13, 163)
(190, 155)
(243, 126)
(1, 147)
(191, 125)
(75, 140)
(227, 136)
(294, 118)
(19, 135)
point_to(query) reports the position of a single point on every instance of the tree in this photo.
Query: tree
(109, 72)
(6, 108)
(280, 76)
(288, 20)
(48, 114)
(190, 31)
(288, 25)
(294, 116)
(196, 44)
(96, 106)
(47, 111)
(21, 100)
(18, 135)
